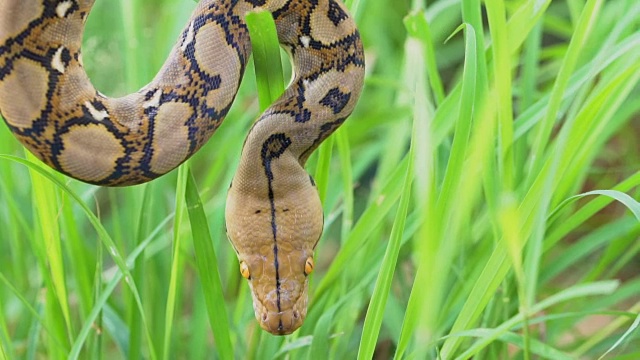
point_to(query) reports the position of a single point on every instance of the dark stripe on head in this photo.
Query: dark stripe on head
(272, 148)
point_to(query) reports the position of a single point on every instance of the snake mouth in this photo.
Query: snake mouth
(281, 323)
(281, 320)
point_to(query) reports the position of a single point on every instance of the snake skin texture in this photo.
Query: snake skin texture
(273, 213)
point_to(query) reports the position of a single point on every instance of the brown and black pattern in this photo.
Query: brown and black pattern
(274, 218)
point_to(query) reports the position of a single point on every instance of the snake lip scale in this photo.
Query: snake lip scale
(273, 212)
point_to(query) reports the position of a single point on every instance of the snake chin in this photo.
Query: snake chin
(282, 322)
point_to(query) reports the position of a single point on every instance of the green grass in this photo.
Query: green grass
(482, 201)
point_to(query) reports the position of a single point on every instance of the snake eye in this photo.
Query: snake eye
(308, 266)
(244, 270)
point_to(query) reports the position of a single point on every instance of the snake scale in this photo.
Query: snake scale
(273, 212)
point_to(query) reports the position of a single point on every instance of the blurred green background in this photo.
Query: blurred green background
(481, 202)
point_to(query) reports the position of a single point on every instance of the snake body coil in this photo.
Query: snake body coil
(273, 214)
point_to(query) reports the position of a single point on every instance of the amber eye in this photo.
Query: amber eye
(308, 266)
(244, 270)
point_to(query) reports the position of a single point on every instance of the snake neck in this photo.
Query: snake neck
(327, 83)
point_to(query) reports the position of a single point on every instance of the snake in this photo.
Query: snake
(273, 214)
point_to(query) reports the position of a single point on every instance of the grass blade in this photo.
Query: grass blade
(364, 227)
(208, 270)
(501, 71)
(176, 264)
(576, 292)
(375, 312)
(488, 242)
(107, 291)
(580, 36)
(102, 233)
(46, 207)
(634, 326)
(266, 57)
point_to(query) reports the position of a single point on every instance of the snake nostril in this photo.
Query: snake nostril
(296, 314)
(264, 317)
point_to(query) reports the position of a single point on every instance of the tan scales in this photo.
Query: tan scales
(273, 214)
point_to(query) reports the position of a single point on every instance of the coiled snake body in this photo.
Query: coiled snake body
(273, 214)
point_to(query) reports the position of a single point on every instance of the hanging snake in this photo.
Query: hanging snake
(273, 212)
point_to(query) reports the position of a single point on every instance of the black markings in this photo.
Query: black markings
(277, 265)
(206, 119)
(150, 94)
(122, 167)
(144, 165)
(97, 106)
(7, 47)
(326, 129)
(336, 100)
(303, 115)
(295, 105)
(42, 59)
(65, 56)
(336, 14)
(350, 48)
(258, 211)
(6, 68)
(272, 148)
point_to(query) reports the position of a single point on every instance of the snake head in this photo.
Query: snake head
(275, 242)
(279, 302)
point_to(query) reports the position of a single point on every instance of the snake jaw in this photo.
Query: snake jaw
(284, 316)
(282, 322)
